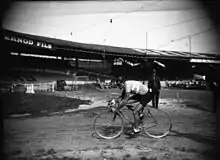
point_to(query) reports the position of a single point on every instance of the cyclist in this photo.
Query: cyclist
(133, 92)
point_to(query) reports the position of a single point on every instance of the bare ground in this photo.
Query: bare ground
(70, 135)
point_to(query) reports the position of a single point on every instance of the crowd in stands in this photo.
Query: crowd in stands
(103, 80)
(187, 84)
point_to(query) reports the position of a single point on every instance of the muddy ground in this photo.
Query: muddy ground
(70, 135)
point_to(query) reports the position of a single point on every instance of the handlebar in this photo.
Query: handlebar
(112, 104)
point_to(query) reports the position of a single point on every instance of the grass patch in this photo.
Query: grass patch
(127, 156)
(184, 149)
(114, 147)
(20, 103)
(90, 149)
(211, 154)
(47, 158)
(145, 158)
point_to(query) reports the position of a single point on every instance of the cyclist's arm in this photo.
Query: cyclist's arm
(123, 94)
(124, 97)
(124, 100)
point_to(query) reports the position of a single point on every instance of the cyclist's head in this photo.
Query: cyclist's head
(120, 81)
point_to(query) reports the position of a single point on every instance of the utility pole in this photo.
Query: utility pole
(146, 43)
(190, 46)
(103, 55)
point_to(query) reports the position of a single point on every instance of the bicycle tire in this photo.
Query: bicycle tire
(105, 123)
(160, 121)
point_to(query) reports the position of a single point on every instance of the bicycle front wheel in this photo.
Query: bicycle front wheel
(108, 125)
(157, 123)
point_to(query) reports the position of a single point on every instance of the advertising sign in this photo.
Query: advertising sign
(28, 42)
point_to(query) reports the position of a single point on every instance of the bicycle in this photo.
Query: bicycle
(109, 124)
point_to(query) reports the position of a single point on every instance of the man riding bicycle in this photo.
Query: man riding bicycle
(133, 92)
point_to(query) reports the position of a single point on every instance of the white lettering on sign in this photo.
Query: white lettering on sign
(37, 55)
(28, 42)
(44, 45)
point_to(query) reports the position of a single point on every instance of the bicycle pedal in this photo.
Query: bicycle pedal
(131, 132)
(134, 133)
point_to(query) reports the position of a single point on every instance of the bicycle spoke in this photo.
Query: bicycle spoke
(147, 126)
(108, 125)
(114, 117)
(108, 130)
(156, 123)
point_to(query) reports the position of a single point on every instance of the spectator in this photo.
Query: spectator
(99, 83)
(154, 84)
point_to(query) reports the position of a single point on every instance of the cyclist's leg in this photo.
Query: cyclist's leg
(138, 114)
(122, 103)
(154, 101)
(134, 102)
(141, 114)
(145, 100)
(148, 97)
(157, 95)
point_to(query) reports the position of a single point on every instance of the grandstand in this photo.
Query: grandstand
(39, 58)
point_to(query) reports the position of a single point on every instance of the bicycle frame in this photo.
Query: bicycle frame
(130, 109)
(120, 113)
(125, 117)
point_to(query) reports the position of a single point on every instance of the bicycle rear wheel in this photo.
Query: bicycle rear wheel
(157, 123)
(108, 125)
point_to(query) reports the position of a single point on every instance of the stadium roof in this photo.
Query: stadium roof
(55, 47)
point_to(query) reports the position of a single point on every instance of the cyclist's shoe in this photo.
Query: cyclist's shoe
(141, 116)
(141, 120)
(136, 130)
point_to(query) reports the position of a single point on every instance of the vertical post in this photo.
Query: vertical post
(123, 68)
(77, 64)
(177, 96)
(53, 85)
(103, 56)
(146, 43)
(190, 46)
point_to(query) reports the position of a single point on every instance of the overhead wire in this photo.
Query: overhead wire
(136, 10)
(177, 23)
(184, 37)
(104, 21)
(118, 16)
(122, 15)
(152, 29)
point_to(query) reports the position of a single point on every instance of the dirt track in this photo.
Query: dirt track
(70, 136)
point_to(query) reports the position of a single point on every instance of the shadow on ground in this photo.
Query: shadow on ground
(198, 106)
(210, 154)
(195, 137)
(37, 104)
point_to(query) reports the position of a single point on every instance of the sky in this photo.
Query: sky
(178, 25)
